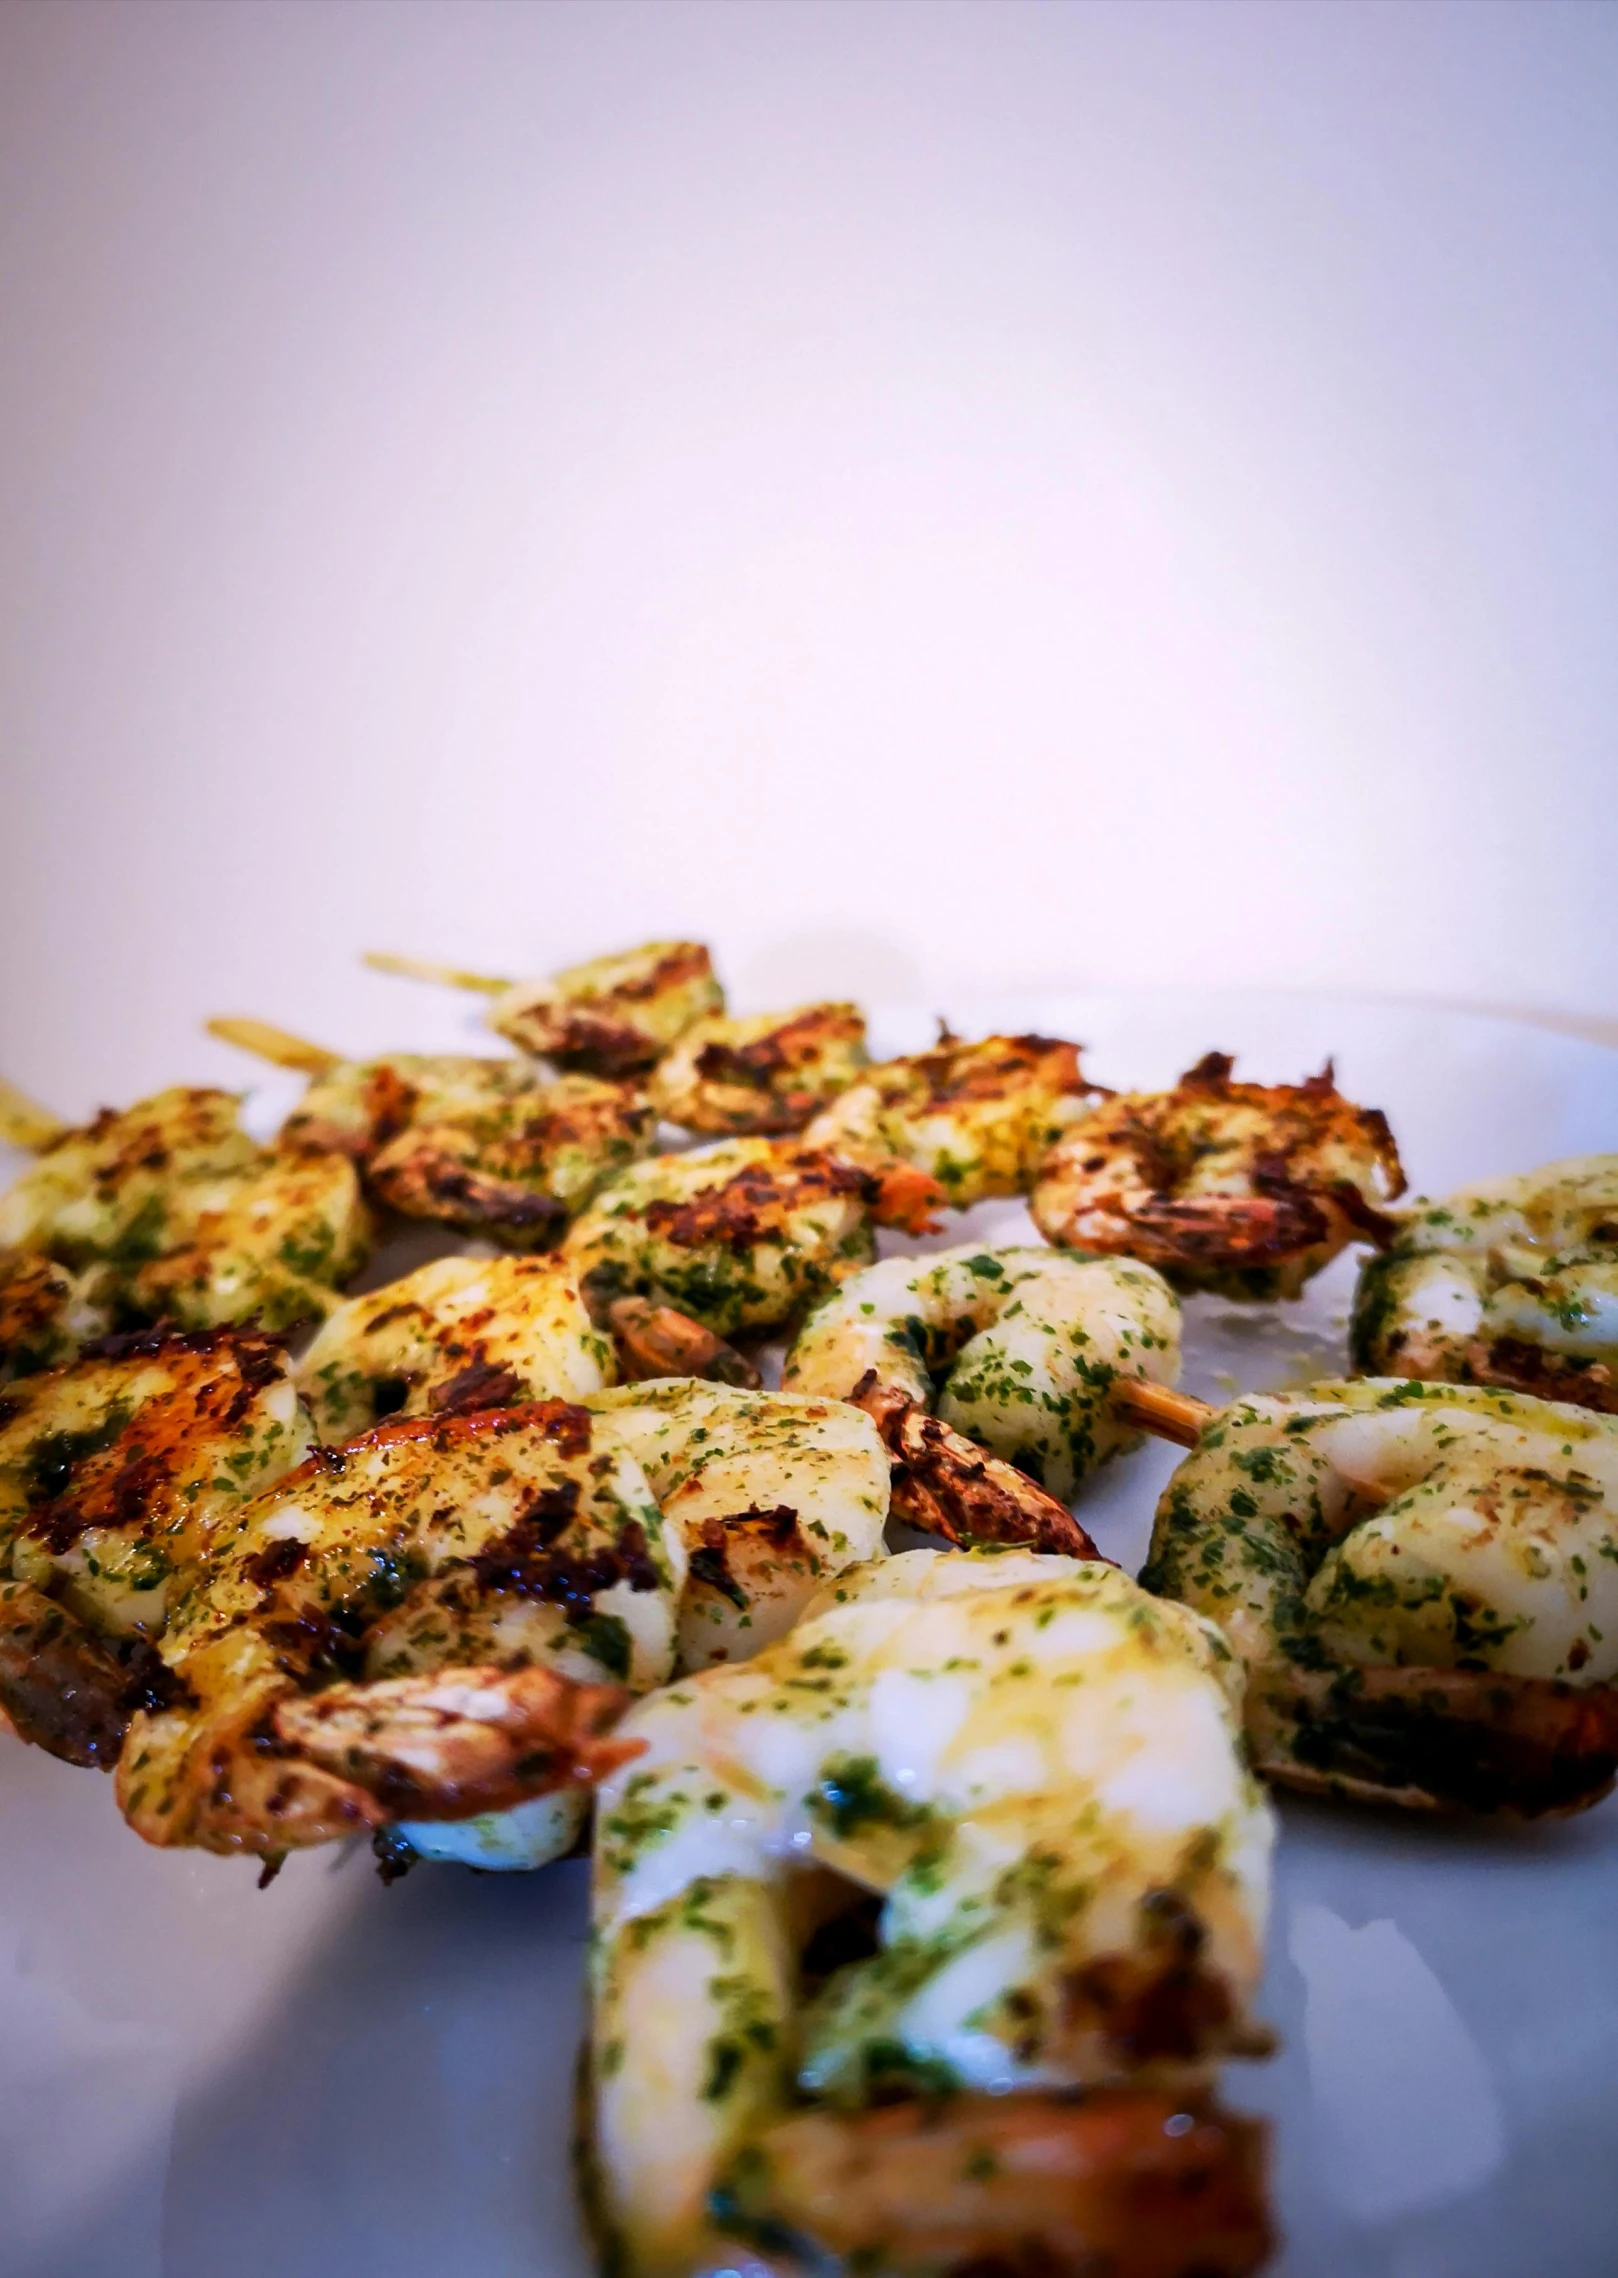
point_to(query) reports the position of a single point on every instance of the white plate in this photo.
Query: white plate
(196, 2079)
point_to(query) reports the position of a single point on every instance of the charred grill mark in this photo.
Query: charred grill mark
(151, 1684)
(710, 1560)
(275, 1562)
(121, 1481)
(710, 1563)
(754, 1203)
(524, 1562)
(682, 961)
(481, 1384)
(568, 1427)
(1520, 1367)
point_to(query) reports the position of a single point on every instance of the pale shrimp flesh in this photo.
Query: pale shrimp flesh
(1034, 1772)
(1018, 1349)
(772, 1495)
(1247, 1189)
(458, 1333)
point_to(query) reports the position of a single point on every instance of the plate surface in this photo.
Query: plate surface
(333, 2078)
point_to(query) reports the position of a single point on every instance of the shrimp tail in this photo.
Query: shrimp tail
(945, 1484)
(1132, 2181)
(655, 1341)
(905, 1197)
(282, 1771)
(458, 1742)
(1455, 1740)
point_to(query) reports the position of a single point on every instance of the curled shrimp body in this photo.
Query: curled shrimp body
(1248, 1189)
(1036, 1771)
(1015, 1348)
(1423, 1582)
(958, 1124)
(482, 1144)
(1511, 1282)
(764, 1072)
(612, 1016)
(435, 1622)
(743, 1235)
(458, 1333)
(168, 1210)
(117, 1476)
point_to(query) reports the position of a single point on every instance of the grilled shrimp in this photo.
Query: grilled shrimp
(189, 1219)
(537, 1565)
(479, 1144)
(458, 1333)
(958, 1124)
(741, 1235)
(771, 1495)
(1015, 1348)
(1513, 1282)
(1423, 1583)
(117, 1475)
(1244, 1188)
(614, 1015)
(765, 1072)
(437, 1621)
(1036, 1771)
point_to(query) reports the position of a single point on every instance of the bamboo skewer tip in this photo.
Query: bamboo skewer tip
(424, 969)
(277, 1045)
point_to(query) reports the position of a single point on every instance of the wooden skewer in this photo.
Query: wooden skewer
(1169, 1415)
(277, 1045)
(423, 969)
(23, 1122)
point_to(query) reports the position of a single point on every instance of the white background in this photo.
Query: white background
(931, 498)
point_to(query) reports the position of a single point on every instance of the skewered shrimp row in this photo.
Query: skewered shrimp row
(871, 1908)
(431, 1620)
(169, 1210)
(1248, 1189)
(1421, 1579)
(1511, 1282)
(485, 1145)
(659, 1013)
(432, 1627)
